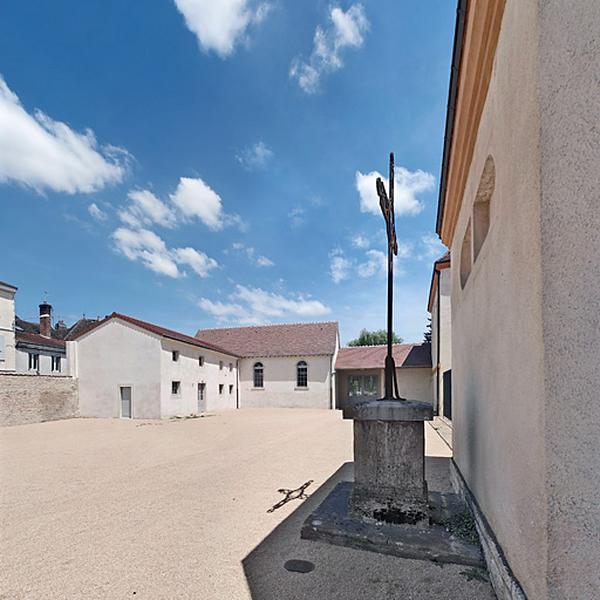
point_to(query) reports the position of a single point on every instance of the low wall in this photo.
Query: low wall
(37, 398)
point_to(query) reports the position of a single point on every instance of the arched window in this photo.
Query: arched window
(465, 257)
(259, 377)
(302, 374)
(481, 206)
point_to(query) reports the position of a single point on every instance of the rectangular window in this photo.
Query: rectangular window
(363, 385)
(230, 389)
(221, 386)
(220, 365)
(34, 362)
(175, 387)
(175, 355)
(201, 361)
(230, 367)
(56, 364)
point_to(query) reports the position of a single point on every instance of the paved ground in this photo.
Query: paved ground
(178, 509)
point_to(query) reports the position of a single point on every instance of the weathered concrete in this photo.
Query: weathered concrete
(335, 523)
(37, 398)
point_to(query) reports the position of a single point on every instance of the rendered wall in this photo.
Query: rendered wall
(280, 383)
(44, 362)
(569, 64)
(443, 332)
(188, 371)
(113, 355)
(36, 398)
(497, 342)
(7, 330)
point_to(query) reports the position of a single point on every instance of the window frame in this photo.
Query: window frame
(301, 375)
(258, 373)
(221, 388)
(201, 361)
(33, 361)
(175, 388)
(55, 365)
(175, 355)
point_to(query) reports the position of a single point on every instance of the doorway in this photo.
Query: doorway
(201, 397)
(125, 393)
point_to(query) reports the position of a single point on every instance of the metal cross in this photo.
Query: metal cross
(387, 208)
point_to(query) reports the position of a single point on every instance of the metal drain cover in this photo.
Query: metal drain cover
(299, 566)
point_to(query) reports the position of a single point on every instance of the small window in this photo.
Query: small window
(360, 386)
(221, 386)
(220, 365)
(34, 362)
(56, 364)
(465, 257)
(175, 387)
(259, 379)
(201, 391)
(201, 361)
(230, 389)
(302, 374)
(230, 367)
(175, 355)
(481, 206)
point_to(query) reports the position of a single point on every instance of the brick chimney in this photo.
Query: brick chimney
(46, 319)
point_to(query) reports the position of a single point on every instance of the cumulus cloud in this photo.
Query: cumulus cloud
(297, 216)
(250, 253)
(144, 246)
(263, 261)
(431, 248)
(147, 209)
(339, 265)
(345, 30)
(408, 185)
(255, 305)
(41, 153)
(196, 199)
(97, 213)
(360, 241)
(376, 262)
(220, 25)
(255, 157)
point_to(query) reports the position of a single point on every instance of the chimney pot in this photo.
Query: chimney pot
(45, 319)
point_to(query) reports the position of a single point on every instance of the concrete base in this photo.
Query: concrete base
(334, 522)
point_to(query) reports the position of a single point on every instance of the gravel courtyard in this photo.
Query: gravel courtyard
(178, 509)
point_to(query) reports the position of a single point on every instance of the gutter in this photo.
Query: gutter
(461, 12)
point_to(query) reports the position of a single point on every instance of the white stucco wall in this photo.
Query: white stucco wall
(280, 383)
(113, 355)
(7, 330)
(443, 331)
(44, 362)
(188, 371)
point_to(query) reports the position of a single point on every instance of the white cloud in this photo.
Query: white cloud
(255, 305)
(195, 199)
(250, 253)
(360, 241)
(97, 213)
(376, 263)
(146, 209)
(296, 216)
(263, 261)
(142, 245)
(431, 247)
(39, 152)
(255, 157)
(408, 184)
(346, 30)
(339, 265)
(220, 24)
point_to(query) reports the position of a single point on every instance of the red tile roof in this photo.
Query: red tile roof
(158, 330)
(35, 339)
(297, 339)
(373, 357)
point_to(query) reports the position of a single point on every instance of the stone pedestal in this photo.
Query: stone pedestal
(389, 462)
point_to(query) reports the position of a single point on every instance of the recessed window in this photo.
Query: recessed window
(201, 361)
(175, 388)
(302, 374)
(56, 364)
(259, 379)
(34, 362)
(220, 365)
(230, 389)
(360, 386)
(465, 257)
(230, 367)
(221, 387)
(481, 206)
(175, 355)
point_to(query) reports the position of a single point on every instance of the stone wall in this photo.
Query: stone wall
(37, 398)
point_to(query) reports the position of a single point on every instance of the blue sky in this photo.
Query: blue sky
(200, 164)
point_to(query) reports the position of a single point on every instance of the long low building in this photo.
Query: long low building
(359, 372)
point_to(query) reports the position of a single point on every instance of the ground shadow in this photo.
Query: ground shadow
(339, 572)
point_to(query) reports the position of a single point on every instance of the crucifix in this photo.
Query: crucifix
(387, 208)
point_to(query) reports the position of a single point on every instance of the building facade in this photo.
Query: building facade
(7, 327)
(519, 211)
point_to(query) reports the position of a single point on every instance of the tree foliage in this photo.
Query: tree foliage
(373, 338)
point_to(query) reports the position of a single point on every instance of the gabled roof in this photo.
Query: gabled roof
(444, 262)
(295, 339)
(35, 339)
(155, 329)
(373, 357)
(4, 284)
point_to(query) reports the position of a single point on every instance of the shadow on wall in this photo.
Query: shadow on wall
(335, 574)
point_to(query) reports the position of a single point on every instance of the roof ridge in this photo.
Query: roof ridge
(264, 325)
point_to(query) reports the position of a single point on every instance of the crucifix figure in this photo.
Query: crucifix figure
(387, 208)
